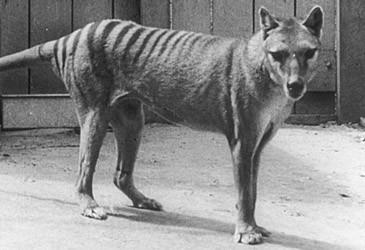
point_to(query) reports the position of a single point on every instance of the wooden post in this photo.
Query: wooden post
(351, 60)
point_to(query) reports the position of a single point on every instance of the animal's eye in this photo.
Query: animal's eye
(309, 54)
(279, 56)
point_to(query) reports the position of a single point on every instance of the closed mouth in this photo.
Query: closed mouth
(295, 94)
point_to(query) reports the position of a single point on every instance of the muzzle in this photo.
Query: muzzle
(296, 89)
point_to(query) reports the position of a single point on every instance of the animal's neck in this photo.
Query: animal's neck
(255, 51)
(255, 62)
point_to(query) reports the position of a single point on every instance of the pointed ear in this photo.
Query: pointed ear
(314, 21)
(267, 21)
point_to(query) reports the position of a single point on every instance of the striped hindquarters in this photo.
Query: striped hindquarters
(111, 43)
(140, 47)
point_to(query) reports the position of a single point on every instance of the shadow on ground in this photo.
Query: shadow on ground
(187, 221)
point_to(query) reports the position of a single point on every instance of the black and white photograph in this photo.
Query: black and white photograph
(182, 124)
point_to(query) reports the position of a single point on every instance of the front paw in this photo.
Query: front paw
(250, 234)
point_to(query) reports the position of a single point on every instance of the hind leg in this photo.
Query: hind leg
(93, 129)
(127, 120)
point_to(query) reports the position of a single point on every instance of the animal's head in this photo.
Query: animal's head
(291, 49)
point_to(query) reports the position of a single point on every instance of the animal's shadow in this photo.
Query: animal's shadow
(188, 221)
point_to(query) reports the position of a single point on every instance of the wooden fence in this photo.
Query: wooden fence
(25, 23)
(28, 22)
(239, 19)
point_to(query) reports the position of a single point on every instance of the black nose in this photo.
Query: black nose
(295, 89)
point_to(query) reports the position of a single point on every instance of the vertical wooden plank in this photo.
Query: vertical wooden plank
(351, 60)
(191, 15)
(49, 20)
(232, 18)
(14, 38)
(329, 27)
(325, 78)
(87, 11)
(155, 13)
(279, 8)
(127, 10)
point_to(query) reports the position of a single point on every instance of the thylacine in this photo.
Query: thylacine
(243, 90)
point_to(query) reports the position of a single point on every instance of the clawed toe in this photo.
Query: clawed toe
(148, 204)
(95, 213)
(262, 231)
(252, 236)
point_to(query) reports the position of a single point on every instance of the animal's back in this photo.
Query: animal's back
(186, 71)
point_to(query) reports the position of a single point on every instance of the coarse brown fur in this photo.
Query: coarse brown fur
(243, 90)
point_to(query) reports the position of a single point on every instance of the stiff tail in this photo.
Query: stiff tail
(27, 58)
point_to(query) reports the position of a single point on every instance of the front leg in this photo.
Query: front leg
(244, 152)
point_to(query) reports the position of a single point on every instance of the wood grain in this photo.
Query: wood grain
(329, 26)
(191, 15)
(14, 38)
(87, 11)
(233, 18)
(279, 8)
(49, 20)
(351, 59)
(127, 10)
(317, 103)
(155, 13)
(325, 79)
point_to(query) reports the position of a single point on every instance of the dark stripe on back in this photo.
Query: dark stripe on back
(195, 40)
(131, 41)
(55, 49)
(210, 41)
(71, 79)
(96, 47)
(187, 39)
(173, 46)
(64, 48)
(76, 42)
(182, 46)
(90, 42)
(121, 35)
(168, 38)
(143, 45)
(190, 44)
(108, 29)
(153, 47)
(73, 52)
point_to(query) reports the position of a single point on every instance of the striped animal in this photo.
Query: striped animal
(241, 89)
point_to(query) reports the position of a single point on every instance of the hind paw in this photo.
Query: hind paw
(97, 212)
(148, 204)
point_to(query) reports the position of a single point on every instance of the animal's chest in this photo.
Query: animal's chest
(275, 109)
